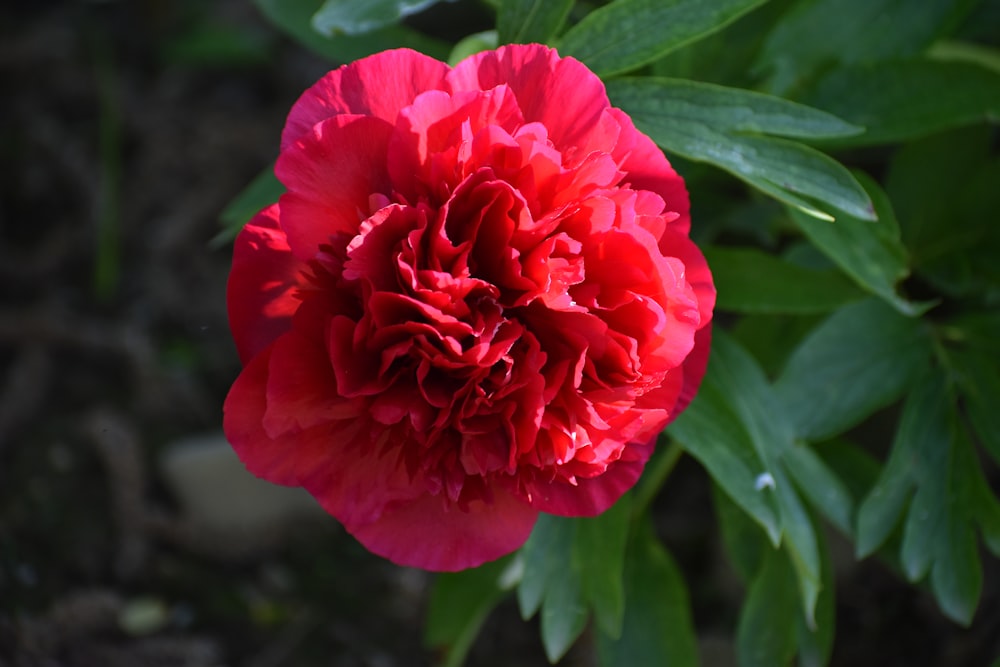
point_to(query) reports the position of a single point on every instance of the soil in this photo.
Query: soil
(125, 128)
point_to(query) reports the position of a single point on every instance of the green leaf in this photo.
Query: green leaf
(881, 509)
(816, 643)
(471, 45)
(946, 216)
(350, 17)
(771, 338)
(821, 33)
(710, 431)
(657, 629)
(551, 581)
(295, 18)
(459, 604)
(980, 387)
(988, 511)
(786, 170)
(527, 21)
(857, 361)
(957, 576)
(932, 460)
(857, 469)
(821, 486)
(599, 549)
(570, 566)
(766, 634)
(967, 52)
(900, 101)
(626, 34)
(745, 542)
(564, 613)
(926, 437)
(749, 280)
(725, 109)
(752, 402)
(545, 555)
(870, 253)
(263, 190)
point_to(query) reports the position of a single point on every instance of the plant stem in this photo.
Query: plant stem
(659, 468)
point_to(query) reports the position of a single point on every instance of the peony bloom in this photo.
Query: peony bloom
(476, 301)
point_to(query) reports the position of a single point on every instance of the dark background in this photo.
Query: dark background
(125, 128)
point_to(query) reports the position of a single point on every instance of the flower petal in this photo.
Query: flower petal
(431, 535)
(561, 93)
(288, 459)
(379, 85)
(260, 294)
(331, 172)
(590, 497)
(648, 169)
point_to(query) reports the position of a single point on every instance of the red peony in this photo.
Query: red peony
(476, 301)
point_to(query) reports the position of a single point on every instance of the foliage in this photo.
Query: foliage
(856, 297)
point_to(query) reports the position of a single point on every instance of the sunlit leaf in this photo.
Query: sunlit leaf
(471, 45)
(860, 359)
(626, 34)
(724, 108)
(527, 21)
(791, 172)
(295, 18)
(351, 17)
(871, 254)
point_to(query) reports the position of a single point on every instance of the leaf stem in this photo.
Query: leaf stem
(657, 471)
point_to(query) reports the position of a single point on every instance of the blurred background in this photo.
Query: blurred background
(129, 533)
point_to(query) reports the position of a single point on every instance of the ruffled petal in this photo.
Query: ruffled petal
(560, 93)
(261, 292)
(331, 172)
(379, 85)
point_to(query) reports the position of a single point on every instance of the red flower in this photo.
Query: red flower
(476, 301)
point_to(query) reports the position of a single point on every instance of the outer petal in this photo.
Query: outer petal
(647, 168)
(429, 535)
(590, 497)
(260, 294)
(379, 85)
(330, 173)
(560, 93)
(696, 271)
(694, 368)
(288, 459)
